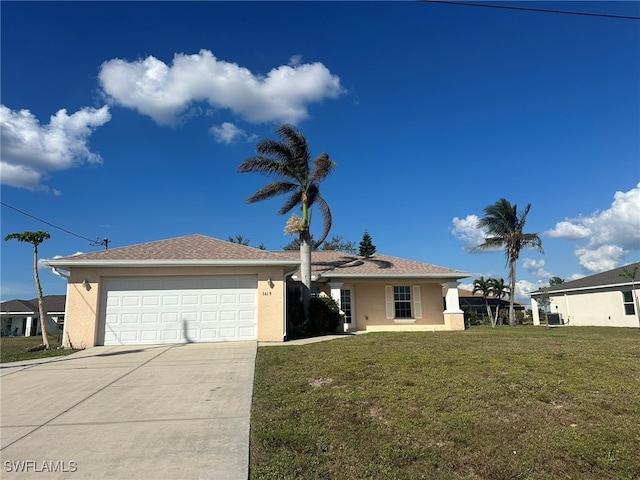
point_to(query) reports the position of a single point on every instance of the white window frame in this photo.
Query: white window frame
(630, 302)
(414, 298)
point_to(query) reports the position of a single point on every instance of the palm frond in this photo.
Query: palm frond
(273, 148)
(293, 200)
(322, 167)
(296, 141)
(532, 240)
(271, 190)
(491, 242)
(323, 206)
(261, 164)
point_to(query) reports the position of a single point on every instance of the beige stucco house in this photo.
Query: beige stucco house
(201, 289)
(607, 299)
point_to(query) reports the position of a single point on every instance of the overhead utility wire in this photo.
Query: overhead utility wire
(532, 9)
(104, 242)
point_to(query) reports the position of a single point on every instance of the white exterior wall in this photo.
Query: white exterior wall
(601, 308)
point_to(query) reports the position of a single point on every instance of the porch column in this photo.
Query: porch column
(453, 315)
(335, 294)
(452, 300)
(534, 311)
(27, 328)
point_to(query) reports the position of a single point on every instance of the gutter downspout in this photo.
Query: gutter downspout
(60, 274)
(65, 276)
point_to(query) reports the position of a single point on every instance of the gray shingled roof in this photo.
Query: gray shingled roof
(328, 263)
(603, 279)
(188, 248)
(52, 303)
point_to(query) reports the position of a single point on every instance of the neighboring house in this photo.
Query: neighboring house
(474, 303)
(604, 299)
(201, 289)
(21, 318)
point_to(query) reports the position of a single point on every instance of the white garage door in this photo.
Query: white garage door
(178, 310)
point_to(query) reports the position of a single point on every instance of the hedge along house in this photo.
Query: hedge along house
(201, 289)
(384, 293)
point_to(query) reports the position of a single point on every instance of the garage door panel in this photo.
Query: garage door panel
(210, 300)
(178, 310)
(190, 300)
(170, 300)
(150, 301)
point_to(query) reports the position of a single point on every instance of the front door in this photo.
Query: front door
(347, 306)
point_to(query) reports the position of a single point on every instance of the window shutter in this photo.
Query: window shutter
(388, 295)
(417, 302)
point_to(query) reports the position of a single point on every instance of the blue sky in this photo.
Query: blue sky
(128, 121)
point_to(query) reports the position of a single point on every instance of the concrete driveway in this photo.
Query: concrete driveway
(161, 412)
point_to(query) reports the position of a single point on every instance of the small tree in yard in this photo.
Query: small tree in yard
(367, 248)
(484, 287)
(35, 239)
(498, 290)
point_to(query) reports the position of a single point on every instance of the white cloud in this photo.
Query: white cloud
(569, 231)
(295, 60)
(535, 268)
(229, 133)
(30, 150)
(611, 232)
(163, 91)
(524, 288)
(466, 229)
(600, 259)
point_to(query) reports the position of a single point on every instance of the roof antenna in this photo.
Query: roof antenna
(99, 242)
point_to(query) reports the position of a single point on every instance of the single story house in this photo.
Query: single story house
(21, 318)
(200, 289)
(606, 299)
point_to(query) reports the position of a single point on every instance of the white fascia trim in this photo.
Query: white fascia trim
(455, 276)
(597, 287)
(168, 263)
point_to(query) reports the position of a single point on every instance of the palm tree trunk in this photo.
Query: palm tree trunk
(43, 318)
(305, 272)
(495, 321)
(512, 284)
(486, 302)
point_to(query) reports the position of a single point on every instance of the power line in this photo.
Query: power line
(532, 9)
(95, 242)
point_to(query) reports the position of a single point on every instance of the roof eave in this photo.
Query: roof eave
(66, 264)
(537, 293)
(399, 275)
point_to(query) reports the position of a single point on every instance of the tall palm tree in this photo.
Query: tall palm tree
(498, 290)
(484, 287)
(289, 162)
(35, 238)
(505, 229)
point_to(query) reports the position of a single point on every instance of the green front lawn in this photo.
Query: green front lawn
(12, 349)
(509, 403)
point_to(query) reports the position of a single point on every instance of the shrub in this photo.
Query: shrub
(325, 314)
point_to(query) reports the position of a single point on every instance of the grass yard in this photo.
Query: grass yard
(509, 403)
(12, 349)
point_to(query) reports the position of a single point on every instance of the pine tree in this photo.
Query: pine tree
(367, 248)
